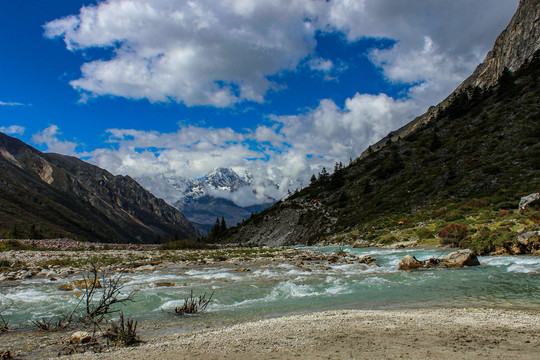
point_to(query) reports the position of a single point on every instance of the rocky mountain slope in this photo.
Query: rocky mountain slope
(52, 195)
(515, 46)
(220, 193)
(478, 149)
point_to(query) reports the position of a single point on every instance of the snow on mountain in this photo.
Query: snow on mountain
(221, 192)
(243, 189)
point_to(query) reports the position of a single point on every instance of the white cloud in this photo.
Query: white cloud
(319, 64)
(221, 53)
(12, 130)
(199, 53)
(50, 138)
(279, 152)
(10, 103)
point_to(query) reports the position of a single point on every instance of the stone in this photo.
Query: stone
(164, 284)
(80, 337)
(304, 268)
(366, 259)
(409, 262)
(79, 285)
(242, 270)
(456, 259)
(324, 267)
(460, 258)
(528, 237)
(145, 268)
(361, 244)
(529, 201)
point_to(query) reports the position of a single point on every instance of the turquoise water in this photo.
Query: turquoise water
(270, 290)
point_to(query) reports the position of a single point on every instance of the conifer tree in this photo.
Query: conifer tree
(223, 225)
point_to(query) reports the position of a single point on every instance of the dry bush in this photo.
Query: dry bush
(52, 323)
(123, 332)
(194, 305)
(100, 296)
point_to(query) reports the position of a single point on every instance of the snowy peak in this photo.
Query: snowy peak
(224, 179)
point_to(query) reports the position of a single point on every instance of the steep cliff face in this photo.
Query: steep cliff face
(514, 46)
(482, 144)
(58, 195)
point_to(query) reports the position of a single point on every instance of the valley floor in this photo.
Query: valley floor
(357, 334)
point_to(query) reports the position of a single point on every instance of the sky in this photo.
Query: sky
(280, 88)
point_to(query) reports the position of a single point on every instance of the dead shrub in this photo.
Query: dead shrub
(194, 305)
(123, 332)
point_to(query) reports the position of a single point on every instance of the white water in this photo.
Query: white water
(507, 281)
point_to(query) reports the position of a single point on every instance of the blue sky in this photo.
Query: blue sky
(281, 88)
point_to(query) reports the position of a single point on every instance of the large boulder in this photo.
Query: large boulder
(409, 262)
(459, 258)
(529, 201)
(80, 337)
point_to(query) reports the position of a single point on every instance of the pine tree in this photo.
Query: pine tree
(313, 180)
(323, 175)
(223, 225)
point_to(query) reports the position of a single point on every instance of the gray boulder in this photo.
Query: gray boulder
(456, 259)
(532, 200)
(409, 262)
(459, 258)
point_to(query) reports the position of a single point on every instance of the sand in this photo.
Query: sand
(357, 334)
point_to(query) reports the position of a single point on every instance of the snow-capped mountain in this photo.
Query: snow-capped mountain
(220, 193)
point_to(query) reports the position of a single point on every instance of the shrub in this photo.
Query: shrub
(193, 305)
(486, 241)
(123, 332)
(182, 244)
(424, 234)
(535, 217)
(453, 234)
(389, 240)
(504, 213)
(506, 205)
(474, 204)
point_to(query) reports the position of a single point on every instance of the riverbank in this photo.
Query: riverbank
(356, 334)
(251, 284)
(18, 265)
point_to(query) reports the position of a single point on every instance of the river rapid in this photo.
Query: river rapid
(275, 289)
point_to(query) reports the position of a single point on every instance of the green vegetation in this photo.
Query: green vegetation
(183, 244)
(469, 166)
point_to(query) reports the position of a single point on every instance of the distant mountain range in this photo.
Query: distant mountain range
(220, 193)
(51, 195)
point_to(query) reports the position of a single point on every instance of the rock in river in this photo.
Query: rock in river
(458, 258)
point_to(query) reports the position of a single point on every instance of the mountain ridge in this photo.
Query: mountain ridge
(516, 45)
(54, 195)
(479, 142)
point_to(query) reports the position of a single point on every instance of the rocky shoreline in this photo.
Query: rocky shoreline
(352, 334)
(25, 264)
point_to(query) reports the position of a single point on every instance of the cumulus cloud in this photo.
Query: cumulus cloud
(221, 53)
(50, 137)
(296, 146)
(199, 53)
(12, 130)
